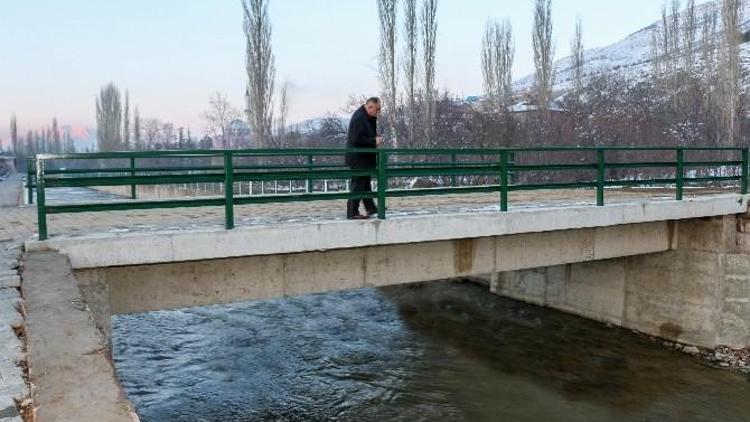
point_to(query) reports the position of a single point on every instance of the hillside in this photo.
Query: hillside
(630, 57)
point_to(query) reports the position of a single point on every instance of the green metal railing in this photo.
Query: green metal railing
(228, 167)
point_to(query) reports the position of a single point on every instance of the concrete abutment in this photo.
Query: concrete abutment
(697, 293)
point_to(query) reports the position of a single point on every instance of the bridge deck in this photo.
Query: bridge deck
(20, 223)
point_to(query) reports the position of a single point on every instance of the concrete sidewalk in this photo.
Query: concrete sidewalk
(20, 223)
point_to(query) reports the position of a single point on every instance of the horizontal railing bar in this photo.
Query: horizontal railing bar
(341, 151)
(199, 202)
(139, 205)
(713, 179)
(302, 197)
(183, 169)
(528, 167)
(130, 180)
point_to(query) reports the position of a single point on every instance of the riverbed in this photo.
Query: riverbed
(426, 352)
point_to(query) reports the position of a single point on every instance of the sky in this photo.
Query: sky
(171, 55)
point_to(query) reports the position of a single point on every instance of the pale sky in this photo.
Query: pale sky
(173, 54)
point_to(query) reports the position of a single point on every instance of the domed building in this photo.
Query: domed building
(239, 134)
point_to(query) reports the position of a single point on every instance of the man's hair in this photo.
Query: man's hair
(375, 100)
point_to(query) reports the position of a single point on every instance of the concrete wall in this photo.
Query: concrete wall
(70, 372)
(698, 293)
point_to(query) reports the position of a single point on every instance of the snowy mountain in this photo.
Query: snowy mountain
(630, 57)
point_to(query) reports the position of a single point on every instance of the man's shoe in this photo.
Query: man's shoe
(358, 217)
(371, 213)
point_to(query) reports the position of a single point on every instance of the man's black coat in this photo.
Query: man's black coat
(362, 133)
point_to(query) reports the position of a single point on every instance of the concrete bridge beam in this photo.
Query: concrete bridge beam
(132, 289)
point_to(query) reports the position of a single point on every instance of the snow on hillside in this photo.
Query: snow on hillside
(630, 57)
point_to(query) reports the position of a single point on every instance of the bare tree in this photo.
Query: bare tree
(731, 14)
(411, 39)
(137, 139)
(14, 136)
(656, 58)
(219, 115)
(109, 118)
(709, 29)
(667, 54)
(387, 62)
(505, 52)
(68, 143)
(544, 52)
(576, 53)
(151, 132)
(283, 111)
(498, 53)
(429, 26)
(261, 69)
(126, 122)
(489, 60)
(674, 29)
(689, 24)
(168, 135)
(56, 141)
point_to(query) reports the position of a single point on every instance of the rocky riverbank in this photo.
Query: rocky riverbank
(722, 356)
(14, 388)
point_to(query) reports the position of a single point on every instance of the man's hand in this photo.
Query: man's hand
(379, 140)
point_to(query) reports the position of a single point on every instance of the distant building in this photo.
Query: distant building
(239, 134)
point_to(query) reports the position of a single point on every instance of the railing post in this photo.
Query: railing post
(454, 181)
(40, 206)
(503, 181)
(600, 167)
(29, 180)
(132, 174)
(309, 168)
(228, 191)
(744, 173)
(382, 183)
(680, 173)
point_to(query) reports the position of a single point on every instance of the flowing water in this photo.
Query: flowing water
(428, 352)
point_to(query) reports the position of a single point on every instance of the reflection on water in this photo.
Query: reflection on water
(436, 351)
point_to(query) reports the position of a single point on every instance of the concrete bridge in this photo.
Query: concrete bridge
(678, 268)
(662, 267)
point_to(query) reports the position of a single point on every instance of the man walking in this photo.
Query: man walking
(363, 133)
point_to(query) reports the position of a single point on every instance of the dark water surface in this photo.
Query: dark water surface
(436, 351)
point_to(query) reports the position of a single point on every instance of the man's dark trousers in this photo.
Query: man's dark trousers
(360, 184)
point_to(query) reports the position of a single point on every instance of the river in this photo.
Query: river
(427, 352)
